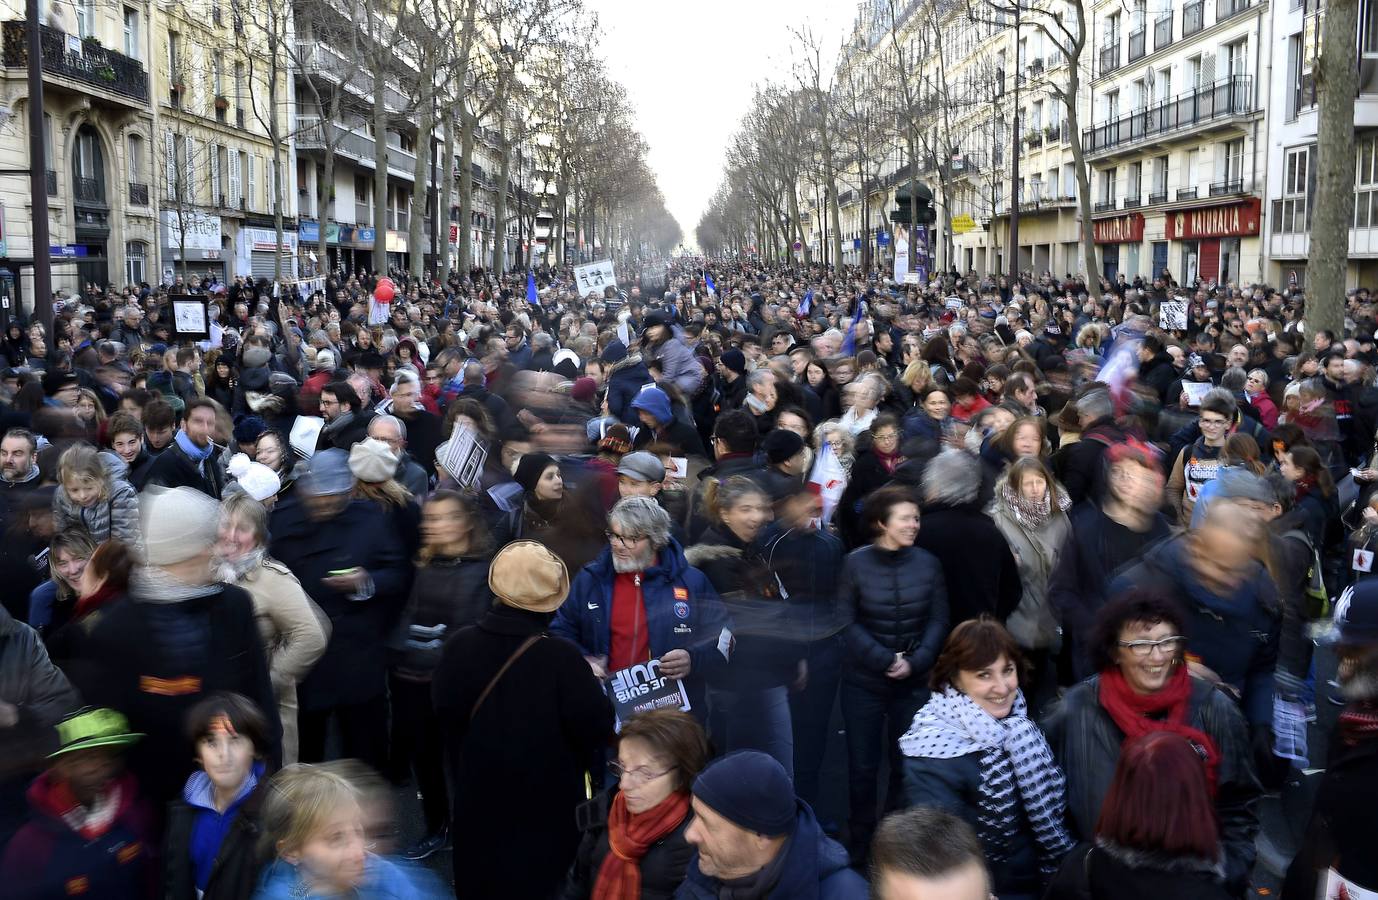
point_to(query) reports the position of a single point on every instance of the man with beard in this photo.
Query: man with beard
(19, 477)
(640, 600)
(193, 459)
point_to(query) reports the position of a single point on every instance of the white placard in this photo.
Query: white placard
(594, 277)
(1337, 887)
(1195, 391)
(306, 431)
(1172, 315)
(463, 456)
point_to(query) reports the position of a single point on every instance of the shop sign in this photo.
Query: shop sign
(454, 234)
(1126, 229)
(1230, 220)
(310, 232)
(264, 240)
(963, 223)
(396, 243)
(202, 230)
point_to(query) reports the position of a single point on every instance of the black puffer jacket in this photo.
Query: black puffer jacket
(662, 868)
(1086, 743)
(894, 601)
(447, 594)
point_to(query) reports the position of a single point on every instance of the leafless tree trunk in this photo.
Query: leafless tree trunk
(1337, 85)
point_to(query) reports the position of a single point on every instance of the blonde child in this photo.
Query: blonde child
(93, 494)
(314, 827)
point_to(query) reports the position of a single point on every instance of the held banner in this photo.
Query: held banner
(594, 277)
(641, 688)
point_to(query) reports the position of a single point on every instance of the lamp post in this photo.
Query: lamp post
(38, 182)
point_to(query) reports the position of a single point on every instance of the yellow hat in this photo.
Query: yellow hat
(526, 575)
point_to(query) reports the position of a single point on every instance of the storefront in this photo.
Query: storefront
(1216, 242)
(396, 243)
(261, 246)
(308, 248)
(1121, 239)
(199, 235)
(356, 248)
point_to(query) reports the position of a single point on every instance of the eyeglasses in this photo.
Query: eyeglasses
(626, 540)
(1144, 649)
(1213, 423)
(637, 776)
(887, 437)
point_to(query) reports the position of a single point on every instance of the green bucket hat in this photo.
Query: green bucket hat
(91, 728)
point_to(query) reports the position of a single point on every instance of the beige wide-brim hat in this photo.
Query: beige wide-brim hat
(526, 575)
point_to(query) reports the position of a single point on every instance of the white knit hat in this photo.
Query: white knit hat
(178, 523)
(372, 461)
(257, 480)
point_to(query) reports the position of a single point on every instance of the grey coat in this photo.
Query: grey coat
(117, 516)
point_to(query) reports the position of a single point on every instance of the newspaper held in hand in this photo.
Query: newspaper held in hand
(1337, 887)
(463, 456)
(641, 688)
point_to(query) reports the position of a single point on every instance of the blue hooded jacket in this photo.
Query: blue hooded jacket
(682, 612)
(383, 880)
(656, 402)
(815, 868)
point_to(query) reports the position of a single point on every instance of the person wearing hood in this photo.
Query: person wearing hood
(667, 351)
(211, 847)
(640, 600)
(523, 718)
(659, 424)
(627, 375)
(93, 494)
(753, 837)
(90, 827)
(192, 459)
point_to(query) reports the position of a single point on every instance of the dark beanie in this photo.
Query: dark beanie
(781, 445)
(583, 389)
(529, 469)
(751, 790)
(615, 351)
(734, 360)
(248, 429)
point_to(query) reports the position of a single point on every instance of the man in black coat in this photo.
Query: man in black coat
(192, 459)
(1083, 463)
(346, 420)
(523, 718)
(981, 574)
(355, 568)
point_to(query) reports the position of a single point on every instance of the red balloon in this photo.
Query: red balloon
(384, 291)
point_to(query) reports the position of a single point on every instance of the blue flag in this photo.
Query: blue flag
(712, 288)
(531, 289)
(849, 342)
(806, 305)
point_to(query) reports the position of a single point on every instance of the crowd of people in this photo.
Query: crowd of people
(1076, 567)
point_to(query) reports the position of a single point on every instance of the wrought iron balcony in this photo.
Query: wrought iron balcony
(1157, 197)
(1104, 205)
(1225, 99)
(138, 194)
(1133, 202)
(1233, 186)
(93, 65)
(1138, 44)
(89, 190)
(1162, 31)
(1186, 193)
(1225, 9)
(1109, 59)
(1193, 17)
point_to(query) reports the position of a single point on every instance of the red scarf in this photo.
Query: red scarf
(1359, 723)
(890, 461)
(1131, 711)
(94, 601)
(629, 837)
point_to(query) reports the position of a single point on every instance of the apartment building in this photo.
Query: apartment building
(98, 133)
(1176, 137)
(1292, 127)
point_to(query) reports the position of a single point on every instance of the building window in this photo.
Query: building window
(1160, 176)
(86, 18)
(131, 33)
(135, 148)
(1292, 213)
(1366, 182)
(1136, 181)
(135, 260)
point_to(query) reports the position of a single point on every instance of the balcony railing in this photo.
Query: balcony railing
(51, 177)
(94, 65)
(1186, 193)
(1224, 9)
(138, 194)
(1232, 186)
(1162, 31)
(1138, 44)
(1133, 202)
(1157, 197)
(1104, 205)
(1193, 17)
(316, 57)
(1034, 140)
(88, 190)
(1109, 59)
(363, 214)
(1224, 99)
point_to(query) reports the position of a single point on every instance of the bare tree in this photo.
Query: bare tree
(817, 83)
(265, 39)
(1337, 84)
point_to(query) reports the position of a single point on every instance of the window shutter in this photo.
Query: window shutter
(253, 182)
(189, 152)
(272, 170)
(216, 193)
(233, 162)
(170, 164)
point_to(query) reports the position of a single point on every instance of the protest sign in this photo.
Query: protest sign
(1172, 315)
(306, 431)
(1195, 391)
(463, 456)
(594, 277)
(641, 688)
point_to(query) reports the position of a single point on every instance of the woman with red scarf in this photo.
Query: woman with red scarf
(633, 845)
(1146, 685)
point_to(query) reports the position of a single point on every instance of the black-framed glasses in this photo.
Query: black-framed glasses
(626, 540)
(638, 776)
(1143, 649)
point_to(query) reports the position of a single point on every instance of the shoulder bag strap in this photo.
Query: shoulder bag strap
(526, 645)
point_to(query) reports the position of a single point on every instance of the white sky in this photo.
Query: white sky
(689, 67)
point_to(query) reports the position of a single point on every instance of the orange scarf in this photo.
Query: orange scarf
(629, 837)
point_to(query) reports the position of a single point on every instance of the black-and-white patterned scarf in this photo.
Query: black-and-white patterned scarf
(1017, 766)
